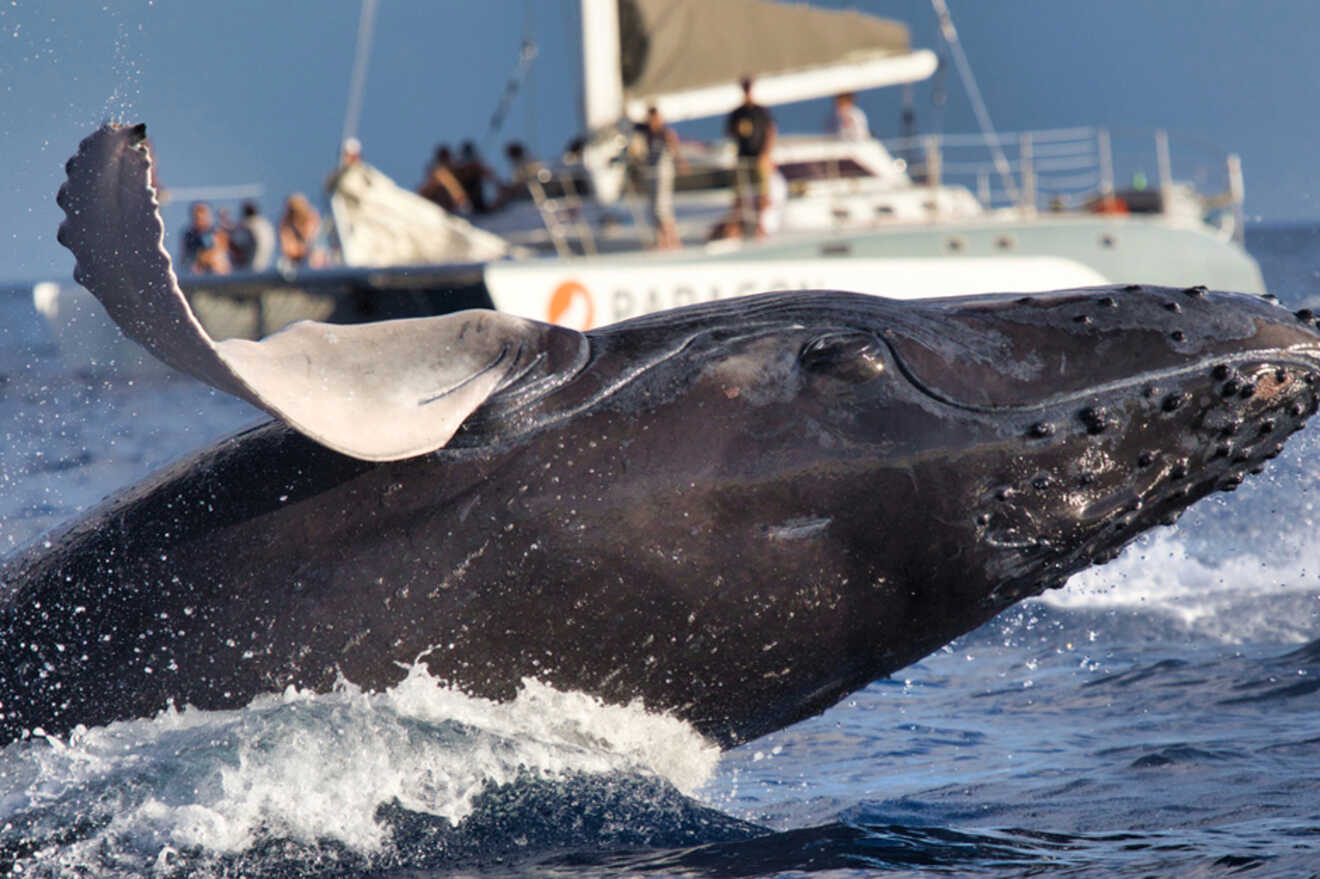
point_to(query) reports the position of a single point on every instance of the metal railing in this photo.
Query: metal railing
(1071, 168)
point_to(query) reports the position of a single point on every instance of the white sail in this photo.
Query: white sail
(603, 97)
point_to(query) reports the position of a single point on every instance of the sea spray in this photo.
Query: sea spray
(316, 768)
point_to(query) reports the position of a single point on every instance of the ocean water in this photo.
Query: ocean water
(1159, 717)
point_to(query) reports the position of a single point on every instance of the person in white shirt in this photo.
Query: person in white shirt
(252, 240)
(848, 121)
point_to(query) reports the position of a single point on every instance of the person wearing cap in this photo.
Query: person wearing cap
(350, 151)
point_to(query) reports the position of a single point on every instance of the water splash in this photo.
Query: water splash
(315, 768)
(1236, 569)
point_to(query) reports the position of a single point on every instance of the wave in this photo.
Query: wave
(352, 773)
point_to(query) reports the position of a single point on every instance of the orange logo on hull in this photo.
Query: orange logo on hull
(571, 306)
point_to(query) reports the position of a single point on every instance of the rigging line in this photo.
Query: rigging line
(357, 83)
(950, 35)
(526, 55)
(530, 108)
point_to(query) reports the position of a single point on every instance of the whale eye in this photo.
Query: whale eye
(849, 355)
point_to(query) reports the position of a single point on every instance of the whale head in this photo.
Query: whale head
(1032, 436)
(889, 475)
(1079, 419)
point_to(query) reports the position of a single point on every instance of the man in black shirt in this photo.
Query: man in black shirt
(753, 130)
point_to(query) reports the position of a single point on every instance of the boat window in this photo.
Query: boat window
(824, 169)
(704, 178)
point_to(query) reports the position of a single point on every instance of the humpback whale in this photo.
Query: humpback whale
(737, 512)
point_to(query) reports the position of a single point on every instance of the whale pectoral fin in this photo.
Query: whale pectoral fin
(379, 391)
(113, 226)
(393, 389)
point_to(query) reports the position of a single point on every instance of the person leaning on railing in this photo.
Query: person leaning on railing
(205, 244)
(299, 228)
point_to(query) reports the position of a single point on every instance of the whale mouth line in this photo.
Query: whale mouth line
(1274, 356)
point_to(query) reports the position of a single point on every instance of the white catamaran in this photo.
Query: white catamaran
(911, 217)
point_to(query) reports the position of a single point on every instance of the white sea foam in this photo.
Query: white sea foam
(1244, 597)
(312, 767)
(1241, 568)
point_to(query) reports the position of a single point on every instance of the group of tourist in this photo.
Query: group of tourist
(466, 185)
(219, 245)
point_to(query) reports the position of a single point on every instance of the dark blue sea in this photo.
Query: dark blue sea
(1159, 717)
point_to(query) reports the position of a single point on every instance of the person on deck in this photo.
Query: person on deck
(658, 146)
(441, 185)
(848, 122)
(523, 165)
(753, 131)
(472, 173)
(525, 170)
(252, 240)
(205, 245)
(298, 230)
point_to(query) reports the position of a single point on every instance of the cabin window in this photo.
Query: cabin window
(825, 169)
(704, 178)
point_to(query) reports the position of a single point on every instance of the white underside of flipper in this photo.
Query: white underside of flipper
(379, 391)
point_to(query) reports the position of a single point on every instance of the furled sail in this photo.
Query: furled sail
(381, 224)
(686, 56)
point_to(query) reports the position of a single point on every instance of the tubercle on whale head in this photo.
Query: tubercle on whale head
(1025, 351)
(1111, 424)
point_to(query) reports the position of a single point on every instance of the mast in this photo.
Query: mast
(357, 81)
(602, 84)
(602, 96)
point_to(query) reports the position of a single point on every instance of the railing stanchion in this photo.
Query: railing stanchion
(932, 145)
(1237, 191)
(1028, 203)
(1164, 162)
(1106, 156)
